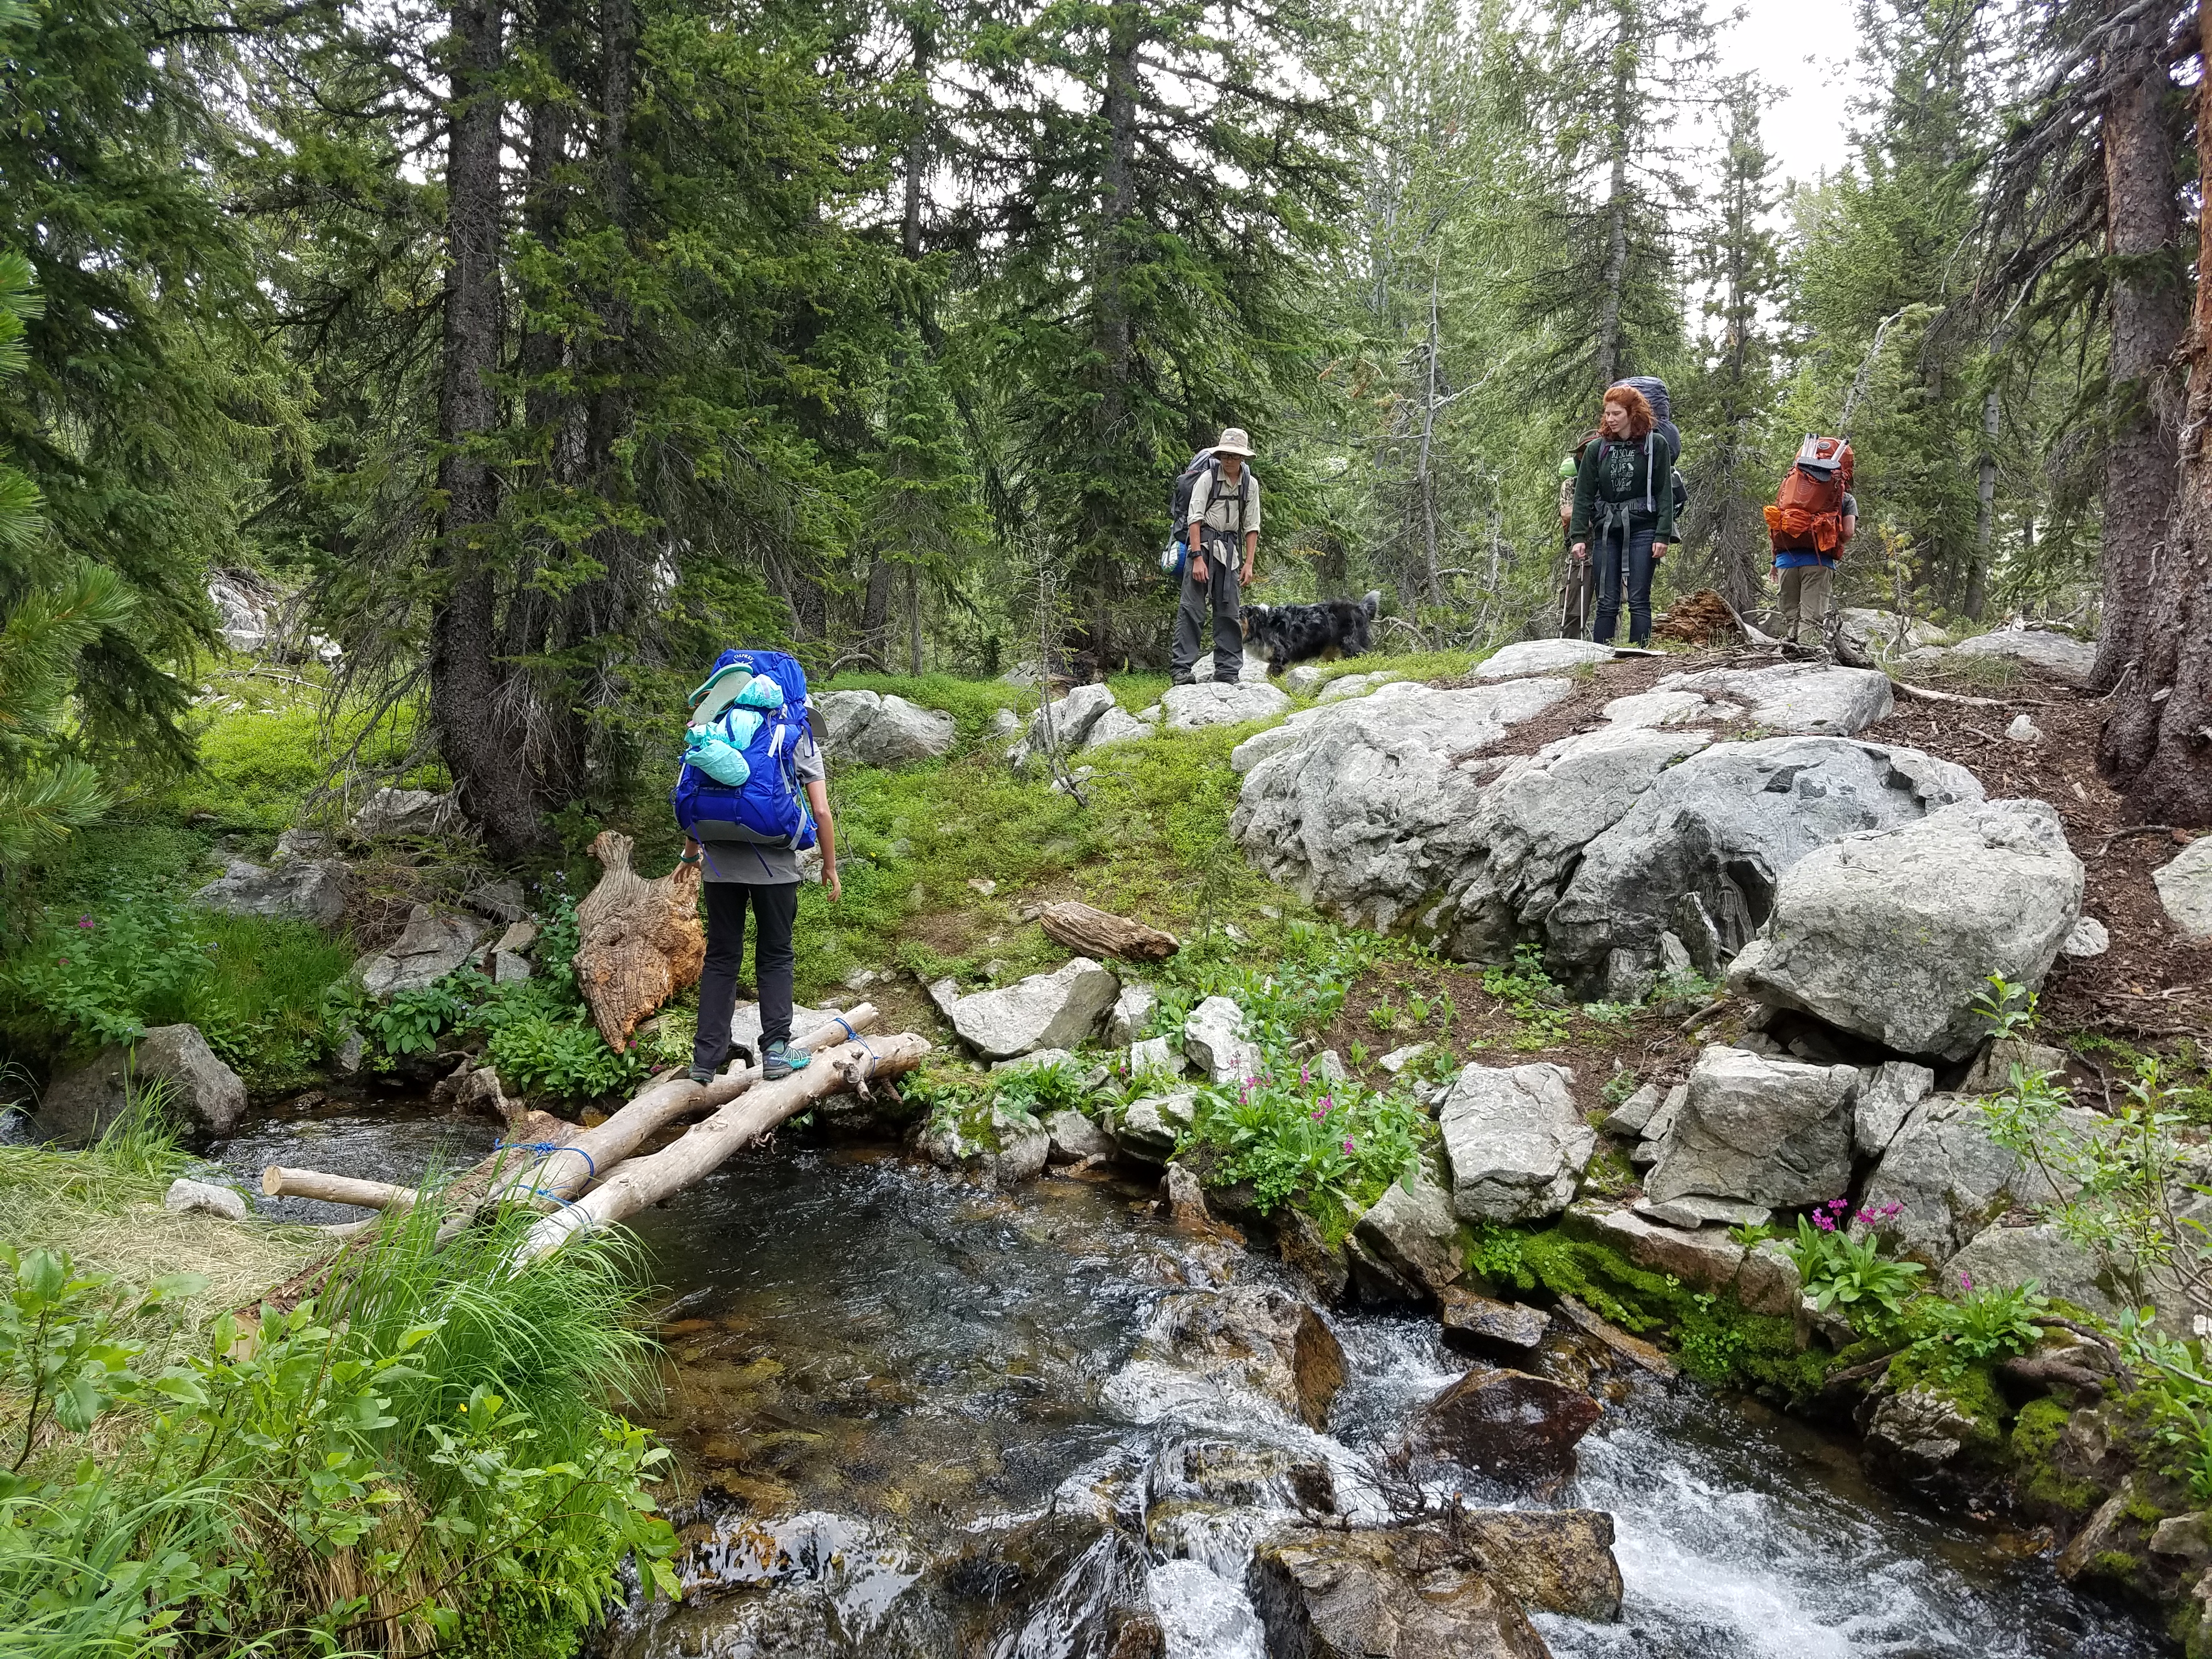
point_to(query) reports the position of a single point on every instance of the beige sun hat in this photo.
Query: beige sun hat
(1234, 441)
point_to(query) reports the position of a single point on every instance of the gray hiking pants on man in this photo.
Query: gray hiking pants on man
(1219, 594)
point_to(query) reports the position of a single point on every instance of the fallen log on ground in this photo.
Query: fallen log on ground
(1095, 932)
(643, 1181)
(278, 1182)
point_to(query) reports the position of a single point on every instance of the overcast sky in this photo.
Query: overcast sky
(1811, 50)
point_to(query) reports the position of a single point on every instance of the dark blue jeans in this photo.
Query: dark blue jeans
(1608, 551)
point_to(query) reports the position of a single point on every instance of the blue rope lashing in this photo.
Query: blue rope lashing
(847, 1024)
(549, 1148)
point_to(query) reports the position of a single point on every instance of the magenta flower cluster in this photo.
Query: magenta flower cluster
(1839, 1212)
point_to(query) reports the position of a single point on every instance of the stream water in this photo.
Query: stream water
(909, 1404)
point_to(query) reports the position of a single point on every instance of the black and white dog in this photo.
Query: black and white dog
(1288, 634)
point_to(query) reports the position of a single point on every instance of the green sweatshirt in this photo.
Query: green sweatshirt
(1615, 473)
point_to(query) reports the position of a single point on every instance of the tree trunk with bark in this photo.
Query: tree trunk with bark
(2156, 748)
(1610, 347)
(1102, 933)
(1986, 516)
(2148, 314)
(468, 706)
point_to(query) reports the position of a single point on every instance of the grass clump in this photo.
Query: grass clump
(421, 1456)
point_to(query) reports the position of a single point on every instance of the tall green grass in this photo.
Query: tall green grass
(425, 1455)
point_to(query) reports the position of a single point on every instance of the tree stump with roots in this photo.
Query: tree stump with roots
(641, 940)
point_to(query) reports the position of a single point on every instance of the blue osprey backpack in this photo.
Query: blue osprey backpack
(739, 781)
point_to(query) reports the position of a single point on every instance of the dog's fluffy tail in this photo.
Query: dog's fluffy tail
(1372, 603)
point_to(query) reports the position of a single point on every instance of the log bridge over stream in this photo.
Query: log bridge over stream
(582, 1180)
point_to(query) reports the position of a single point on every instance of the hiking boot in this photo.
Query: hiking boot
(702, 1074)
(780, 1060)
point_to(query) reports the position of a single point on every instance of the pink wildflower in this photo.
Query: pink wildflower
(1966, 1280)
(84, 922)
(1824, 1221)
(1347, 1147)
(61, 962)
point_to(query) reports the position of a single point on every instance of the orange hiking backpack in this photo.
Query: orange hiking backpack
(1808, 510)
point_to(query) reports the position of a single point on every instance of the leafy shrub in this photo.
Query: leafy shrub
(1292, 1132)
(1532, 996)
(1840, 1269)
(567, 1058)
(1982, 1324)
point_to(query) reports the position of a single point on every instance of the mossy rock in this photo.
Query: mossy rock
(1716, 1339)
(2044, 1489)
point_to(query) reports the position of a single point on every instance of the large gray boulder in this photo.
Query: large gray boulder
(1213, 1039)
(405, 813)
(1413, 1230)
(1006, 1152)
(2006, 1258)
(1886, 1097)
(882, 730)
(434, 943)
(1892, 934)
(83, 1101)
(1700, 852)
(1057, 1010)
(1529, 825)
(1252, 672)
(297, 889)
(2185, 888)
(1950, 1180)
(1368, 811)
(1213, 703)
(1871, 638)
(1541, 657)
(1355, 685)
(1070, 718)
(1514, 1141)
(1674, 707)
(1810, 697)
(2061, 656)
(1117, 726)
(1770, 1132)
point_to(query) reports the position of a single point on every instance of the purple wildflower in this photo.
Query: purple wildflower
(1347, 1146)
(85, 922)
(1824, 1221)
(61, 962)
(1965, 1281)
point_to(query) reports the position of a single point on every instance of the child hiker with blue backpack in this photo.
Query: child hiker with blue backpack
(753, 796)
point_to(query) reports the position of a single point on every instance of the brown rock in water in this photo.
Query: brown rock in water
(1401, 1592)
(1560, 1560)
(642, 942)
(1260, 1339)
(1471, 1318)
(1508, 1423)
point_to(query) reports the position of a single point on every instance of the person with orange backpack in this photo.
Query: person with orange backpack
(1812, 519)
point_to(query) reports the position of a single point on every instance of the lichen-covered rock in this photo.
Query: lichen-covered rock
(298, 889)
(1251, 1337)
(1068, 719)
(1886, 1099)
(1367, 811)
(882, 730)
(1922, 1429)
(1950, 1180)
(1770, 1132)
(2061, 656)
(1514, 1142)
(1508, 1423)
(1117, 725)
(1148, 1128)
(2185, 888)
(1892, 934)
(1541, 657)
(1557, 1561)
(1835, 702)
(1700, 852)
(1075, 1137)
(82, 1102)
(1412, 1229)
(1214, 703)
(1322, 1594)
(1057, 1010)
(1707, 1258)
(1008, 1150)
(1530, 823)
(404, 812)
(2005, 1258)
(186, 1197)
(1213, 1040)
(434, 943)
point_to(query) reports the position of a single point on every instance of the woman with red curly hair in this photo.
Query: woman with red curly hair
(1624, 493)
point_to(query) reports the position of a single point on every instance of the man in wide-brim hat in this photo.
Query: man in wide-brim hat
(1225, 517)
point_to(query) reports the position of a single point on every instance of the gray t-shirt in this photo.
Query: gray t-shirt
(748, 860)
(1222, 512)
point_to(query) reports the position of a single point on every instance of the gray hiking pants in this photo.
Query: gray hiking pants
(1219, 594)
